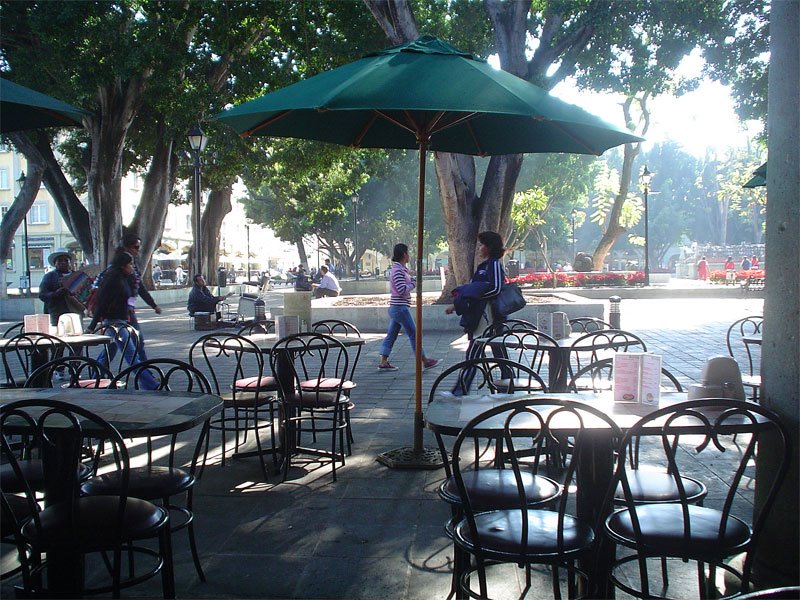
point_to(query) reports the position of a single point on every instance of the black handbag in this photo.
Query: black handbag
(508, 301)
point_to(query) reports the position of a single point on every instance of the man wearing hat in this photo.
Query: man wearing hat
(51, 292)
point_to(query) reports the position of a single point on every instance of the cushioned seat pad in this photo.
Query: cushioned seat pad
(654, 486)
(256, 383)
(501, 531)
(497, 488)
(663, 529)
(147, 483)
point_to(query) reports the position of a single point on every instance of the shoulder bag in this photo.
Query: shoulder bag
(509, 300)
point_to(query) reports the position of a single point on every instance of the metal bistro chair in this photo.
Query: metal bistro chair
(318, 367)
(599, 376)
(14, 329)
(70, 372)
(508, 325)
(75, 524)
(683, 530)
(517, 532)
(235, 367)
(258, 327)
(602, 344)
(525, 347)
(747, 353)
(26, 351)
(588, 324)
(343, 328)
(154, 482)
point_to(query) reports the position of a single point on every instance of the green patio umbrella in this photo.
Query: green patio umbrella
(22, 108)
(759, 178)
(425, 95)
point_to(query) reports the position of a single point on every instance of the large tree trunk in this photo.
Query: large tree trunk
(151, 214)
(66, 200)
(119, 103)
(301, 252)
(217, 207)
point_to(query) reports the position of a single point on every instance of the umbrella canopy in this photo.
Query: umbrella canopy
(458, 102)
(428, 95)
(22, 108)
(759, 178)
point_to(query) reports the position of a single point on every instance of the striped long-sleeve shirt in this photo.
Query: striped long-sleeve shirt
(400, 283)
(491, 272)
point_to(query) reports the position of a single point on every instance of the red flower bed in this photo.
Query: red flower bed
(739, 276)
(541, 280)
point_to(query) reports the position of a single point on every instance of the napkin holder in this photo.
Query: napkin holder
(287, 325)
(69, 324)
(721, 378)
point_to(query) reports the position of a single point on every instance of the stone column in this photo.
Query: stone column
(777, 557)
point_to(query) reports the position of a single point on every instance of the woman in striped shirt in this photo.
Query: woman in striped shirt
(400, 283)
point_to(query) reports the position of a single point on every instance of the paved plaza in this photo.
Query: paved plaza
(375, 532)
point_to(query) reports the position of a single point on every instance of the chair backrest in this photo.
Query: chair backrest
(601, 344)
(507, 325)
(168, 373)
(599, 376)
(677, 435)
(24, 350)
(14, 329)
(588, 324)
(338, 327)
(74, 369)
(745, 354)
(125, 338)
(58, 432)
(527, 347)
(225, 358)
(526, 431)
(484, 376)
(311, 357)
(256, 327)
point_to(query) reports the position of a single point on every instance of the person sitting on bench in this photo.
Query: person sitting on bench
(201, 300)
(328, 284)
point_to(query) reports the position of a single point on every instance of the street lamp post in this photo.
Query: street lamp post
(574, 214)
(197, 142)
(354, 198)
(247, 226)
(26, 261)
(647, 177)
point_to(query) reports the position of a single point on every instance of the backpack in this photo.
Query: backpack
(91, 300)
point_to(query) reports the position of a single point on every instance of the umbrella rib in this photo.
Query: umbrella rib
(391, 119)
(576, 139)
(363, 132)
(251, 131)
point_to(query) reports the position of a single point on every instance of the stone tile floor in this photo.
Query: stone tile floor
(376, 532)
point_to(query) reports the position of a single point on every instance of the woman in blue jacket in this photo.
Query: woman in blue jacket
(470, 300)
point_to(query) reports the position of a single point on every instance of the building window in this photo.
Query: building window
(136, 181)
(37, 215)
(3, 147)
(4, 179)
(3, 211)
(36, 257)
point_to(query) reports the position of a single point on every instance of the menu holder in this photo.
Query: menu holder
(287, 325)
(637, 377)
(555, 324)
(37, 323)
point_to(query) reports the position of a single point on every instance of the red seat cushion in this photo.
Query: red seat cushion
(326, 383)
(256, 383)
(92, 383)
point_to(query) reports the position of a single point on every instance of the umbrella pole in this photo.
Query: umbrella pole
(416, 457)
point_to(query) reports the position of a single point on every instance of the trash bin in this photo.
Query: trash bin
(222, 277)
(512, 268)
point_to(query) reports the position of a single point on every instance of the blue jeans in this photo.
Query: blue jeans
(146, 379)
(399, 316)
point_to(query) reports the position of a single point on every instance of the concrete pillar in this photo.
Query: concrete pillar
(777, 561)
(298, 304)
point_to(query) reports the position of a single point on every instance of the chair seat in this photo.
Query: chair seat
(751, 380)
(92, 383)
(519, 384)
(500, 533)
(655, 487)
(323, 400)
(326, 383)
(256, 383)
(33, 474)
(91, 526)
(663, 530)
(497, 489)
(147, 483)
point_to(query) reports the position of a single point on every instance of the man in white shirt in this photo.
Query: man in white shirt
(328, 284)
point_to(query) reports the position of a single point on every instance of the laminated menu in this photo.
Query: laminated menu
(555, 324)
(637, 377)
(287, 325)
(37, 323)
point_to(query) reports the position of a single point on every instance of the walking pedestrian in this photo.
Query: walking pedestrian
(131, 243)
(702, 269)
(400, 284)
(51, 292)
